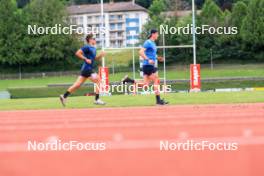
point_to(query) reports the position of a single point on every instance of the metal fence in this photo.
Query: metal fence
(115, 69)
(37, 75)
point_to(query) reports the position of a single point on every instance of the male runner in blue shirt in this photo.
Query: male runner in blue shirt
(149, 53)
(88, 54)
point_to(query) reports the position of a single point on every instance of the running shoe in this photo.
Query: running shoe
(162, 102)
(99, 102)
(63, 100)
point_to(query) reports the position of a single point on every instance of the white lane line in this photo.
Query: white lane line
(180, 106)
(144, 144)
(78, 118)
(149, 123)
(85, 113)
(228, 108)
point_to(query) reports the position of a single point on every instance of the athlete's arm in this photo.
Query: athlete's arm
(143, 55)
(99, 56)
(80, 55)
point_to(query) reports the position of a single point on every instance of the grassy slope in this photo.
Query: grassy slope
(232, 71)
(125, 101)
(120, 57)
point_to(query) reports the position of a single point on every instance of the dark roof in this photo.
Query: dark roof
(108, 7)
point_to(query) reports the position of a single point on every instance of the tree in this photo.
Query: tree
(198, 3)
(156, 17)
(156, 8)
(239, 12)
(144, 3)
(253, 24)
(211, 13)
(48, 47)
(10, 32)
(18, 47)
(22, 3)
(252, 28)
(213, 16)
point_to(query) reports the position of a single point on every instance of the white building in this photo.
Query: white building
(123, 21)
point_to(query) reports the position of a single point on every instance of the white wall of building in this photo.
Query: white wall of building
(126, 28)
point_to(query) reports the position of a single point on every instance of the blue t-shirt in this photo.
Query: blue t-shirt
(90, 53)
(150, 52)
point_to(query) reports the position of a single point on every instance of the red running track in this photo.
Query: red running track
(132, 137)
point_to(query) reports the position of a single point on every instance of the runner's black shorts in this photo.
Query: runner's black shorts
(87, 73)
(149, 69)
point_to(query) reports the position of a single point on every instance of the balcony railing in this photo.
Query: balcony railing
(114, 20)
(117, 29)
(118, 37)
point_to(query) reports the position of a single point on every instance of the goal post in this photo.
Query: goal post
(195, 71)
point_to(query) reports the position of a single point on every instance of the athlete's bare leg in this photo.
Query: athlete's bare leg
(80, 80)
(96, 79)
(155, 79)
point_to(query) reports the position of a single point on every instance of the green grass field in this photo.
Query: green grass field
(120, 57)
(177, 73)
(130, 100)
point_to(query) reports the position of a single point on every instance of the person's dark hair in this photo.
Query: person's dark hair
(89, 37)
(152, 31)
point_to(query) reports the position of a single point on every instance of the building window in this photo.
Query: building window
(79, 20)
(73, 20)
(112, 17)
(89, 18)
(97, 18)
(119, 43)
(119, 34)
(113, 44)
(119, 25)
(120, 17)
(132, 24)
(112, 26)
(133, 32)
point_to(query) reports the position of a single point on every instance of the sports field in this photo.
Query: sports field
(132, 100)
(132, 137)
(132, 128)
(131, 88)
(178, 72)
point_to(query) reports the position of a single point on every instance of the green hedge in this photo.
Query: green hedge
(40, 92)
(221, 84)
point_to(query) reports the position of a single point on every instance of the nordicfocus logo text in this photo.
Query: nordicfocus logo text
(199, 146)
(58, 145)
(204, 29)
